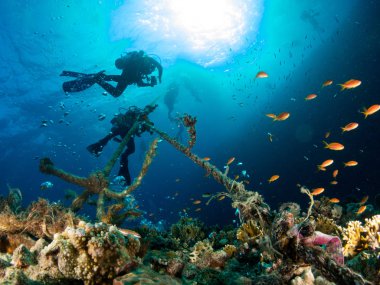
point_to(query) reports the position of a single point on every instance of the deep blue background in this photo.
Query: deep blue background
(299, 49)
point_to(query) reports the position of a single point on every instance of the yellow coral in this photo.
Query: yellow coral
(357, 238)
(249, 231)
(327, 225)
(229, 249)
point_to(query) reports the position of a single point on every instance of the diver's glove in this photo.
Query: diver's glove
(96, 148)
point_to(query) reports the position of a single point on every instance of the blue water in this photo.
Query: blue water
(300, 45)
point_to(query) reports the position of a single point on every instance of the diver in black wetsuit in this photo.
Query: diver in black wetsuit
(121, 124)
(136, 67)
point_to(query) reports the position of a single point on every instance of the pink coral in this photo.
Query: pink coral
(332, 243)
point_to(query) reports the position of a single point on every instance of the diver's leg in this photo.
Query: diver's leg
(124, 171)
(72, 74)
(115, 78)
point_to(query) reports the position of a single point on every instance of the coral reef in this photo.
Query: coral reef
(203, 256)
(357, 237)
(188, 231)
(40, 220)
(92, 253)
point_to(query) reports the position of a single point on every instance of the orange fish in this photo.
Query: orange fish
(335, 173)
(230, 160)
(334, 146)
(371, 110)
(206, 158)
(310, 97)
(349, 127)
(327, 83)
(273, 178)
(327, 135)
(221, 198)
(334, 182)
(324, 164)
(352, 83)
(317, 191)
(261, 74)
(196, 202)
(350, 163)
(361, 209)
(334, 200)
(282, 117)
(273, 116)
(364, 200)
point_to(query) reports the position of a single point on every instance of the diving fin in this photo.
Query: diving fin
(83, 81)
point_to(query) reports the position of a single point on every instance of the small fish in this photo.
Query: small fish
(349, 127)
(236, 177)
(206, 195)
(310, 97)
(270, 137)
(198, 209)
(230, 160)
(282, 117)
(334, 182)
(239, 163)
(364, 200)
(273, 116)
(335, 173)
(206, 158)
(196, 202)
(317, 191)
(324, 164)
(334, 200)
(261, 74)
(350, 84)
(327, 83)
(46, 185)
(178, 180)
(126, 232)
(101, 117)
(371, 110)
(221, 198)
(305, 157)
(327, 134)
(350, 163)
(244, 173)
(334, 146)
(273, 178)
(361, 209)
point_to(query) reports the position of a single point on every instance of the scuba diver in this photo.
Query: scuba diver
(136, 67)
(121, 124)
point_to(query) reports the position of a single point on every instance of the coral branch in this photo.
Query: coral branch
(47, 166)
(189, 122)
(119, 150)
(151, 153)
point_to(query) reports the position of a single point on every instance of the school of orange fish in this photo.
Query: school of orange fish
(335, 146)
